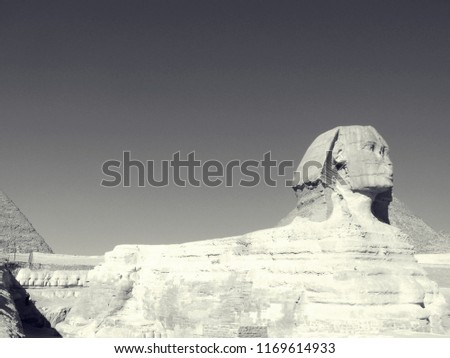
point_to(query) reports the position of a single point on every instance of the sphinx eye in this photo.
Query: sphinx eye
(370, 146)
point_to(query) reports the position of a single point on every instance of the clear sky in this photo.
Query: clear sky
(81, 81)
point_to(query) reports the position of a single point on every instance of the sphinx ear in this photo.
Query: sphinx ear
(338, 156)
(338, 159)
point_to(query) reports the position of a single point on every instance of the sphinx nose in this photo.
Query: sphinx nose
(389, 168)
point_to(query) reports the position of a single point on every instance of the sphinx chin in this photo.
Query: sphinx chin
(382, 186)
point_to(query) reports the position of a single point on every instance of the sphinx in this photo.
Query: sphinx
(334, 266)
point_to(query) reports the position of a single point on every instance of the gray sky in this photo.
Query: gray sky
(81, 81)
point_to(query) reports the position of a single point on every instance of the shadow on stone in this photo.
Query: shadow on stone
(35, 325)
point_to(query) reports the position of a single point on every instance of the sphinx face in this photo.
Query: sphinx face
(361, 156)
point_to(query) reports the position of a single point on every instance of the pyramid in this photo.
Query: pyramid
(16, 232)
(424, 238)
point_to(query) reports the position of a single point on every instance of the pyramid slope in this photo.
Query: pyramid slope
(424, 238)
(16, 232)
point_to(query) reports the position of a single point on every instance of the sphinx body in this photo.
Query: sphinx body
(337, 270)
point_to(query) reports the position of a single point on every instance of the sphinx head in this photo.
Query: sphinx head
(361, 158)
(356, 157)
